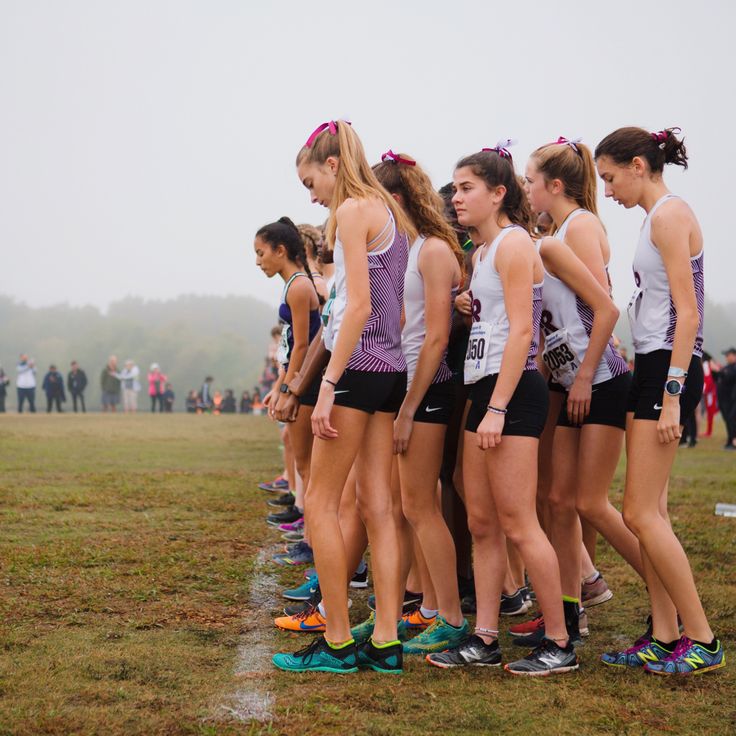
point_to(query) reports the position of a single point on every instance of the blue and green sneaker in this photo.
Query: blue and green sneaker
(641, 653)
(364, 630)
(437, 637)
(689, 658)
(304, 592)
(320, 656)
(386, 658)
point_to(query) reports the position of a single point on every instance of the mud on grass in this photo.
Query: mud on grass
(127, 559)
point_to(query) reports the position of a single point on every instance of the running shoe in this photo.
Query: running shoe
(527, 628)
(284, 517)
(595, 593)
(537, 637)
(471, 652)
(294, 526)
(414, 621)
(386, 658)
(360, 577)
(301, 554)
(547, 659)
(285, 499)
(411, 601)
(527, 596)
(309, 620)
(293, 536)
(319, 656)
(583, 627)
(304, 592)
(310, 572)
(364, 630)
(642, 652)
(689, 658)
(437, 637)
(514, 604)
(277, 485)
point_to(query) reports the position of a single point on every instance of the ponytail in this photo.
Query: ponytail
(658, 149)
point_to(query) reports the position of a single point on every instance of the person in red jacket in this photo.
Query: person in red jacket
(156, 387)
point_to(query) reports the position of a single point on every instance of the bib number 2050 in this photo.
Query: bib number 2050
(476, 357)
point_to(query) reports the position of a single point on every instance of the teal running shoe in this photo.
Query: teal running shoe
(319, 656)
(437, 637)
(689, 658)
(363, 631)
(387, 658)
(304, 592)
(643, 652)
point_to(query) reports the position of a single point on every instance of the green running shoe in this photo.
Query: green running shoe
(437, 637)
(363, 631)
(387, 658)
(319, 656)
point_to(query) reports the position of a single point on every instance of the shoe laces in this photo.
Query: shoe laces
(682, 646)
(309, 651)
(638, 645)
(306, 613)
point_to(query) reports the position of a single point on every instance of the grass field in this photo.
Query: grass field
(134, 600)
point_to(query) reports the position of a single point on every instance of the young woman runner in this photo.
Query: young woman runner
(508, 411)
(363, 386)
(280, 250)
(433, 275)
(585, 368)
(666, 315)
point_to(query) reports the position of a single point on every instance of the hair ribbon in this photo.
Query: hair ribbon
(396, 158)
(331, 126)
(562, 141)
(501, 148)
(661, 136)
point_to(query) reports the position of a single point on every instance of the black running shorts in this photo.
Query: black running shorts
(438, 403)
(607, 404)
(647, 386)
(526, 412)
(309, 397)
(371, 391)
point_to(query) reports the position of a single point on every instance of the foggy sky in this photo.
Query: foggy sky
(142, 143)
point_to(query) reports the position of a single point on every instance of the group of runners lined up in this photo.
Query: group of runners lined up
(543, 396)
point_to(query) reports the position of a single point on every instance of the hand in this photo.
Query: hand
(463, 303)
(267, 401)
(489, 430)
(668, 426)
(403, 426)
(321, 426)
(286, 409)
(578, 399)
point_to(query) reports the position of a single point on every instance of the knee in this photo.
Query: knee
(634, 519)
(481, 526)
(591, 509)
(561, 501)
(373, 508)
(414, 510)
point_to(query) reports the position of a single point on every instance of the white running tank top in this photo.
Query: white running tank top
(563, 309)
(415, 330)
(488, 306)
(652, 312)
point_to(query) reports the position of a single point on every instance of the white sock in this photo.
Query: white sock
(321, 609)
(592, 577)
(428, 612)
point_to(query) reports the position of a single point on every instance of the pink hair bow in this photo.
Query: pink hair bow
(391, 156)
(662, 136)
(502, 147)
(331, 126)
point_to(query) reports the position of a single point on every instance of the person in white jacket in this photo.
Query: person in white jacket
(130, 386)
(26, 383)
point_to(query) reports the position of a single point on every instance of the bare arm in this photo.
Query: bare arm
(584, 238)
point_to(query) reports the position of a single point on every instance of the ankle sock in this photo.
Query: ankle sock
(711, 646)
(321, 609)
(428, 612)
(592, 578)
(341, 644)
(384, 644)
(667, 645)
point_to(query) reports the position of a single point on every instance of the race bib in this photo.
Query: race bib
(282, 352)
(560, 358)
(476, 356)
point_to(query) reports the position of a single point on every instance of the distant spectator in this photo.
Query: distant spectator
(257, 402)
(205, 394)
(710, 398)
(130, 386)
(191, 402)
(53, 386)
(26, 383)
(246, 405)
(726, 386)
(156, 387)
(4, 381)
(169, 397)
(110, 384)
(273, 346)
(229, 405)
(216, 402)
(76, 382)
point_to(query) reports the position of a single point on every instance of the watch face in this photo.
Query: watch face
(284, 389)
(673, 388)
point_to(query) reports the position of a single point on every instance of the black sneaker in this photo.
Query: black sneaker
(286, 499)
(514, 604)
(411, 601)
(572, 624)
(547, 659)
(473, 651)
(284, 517)
(389, 658)
(360, 578)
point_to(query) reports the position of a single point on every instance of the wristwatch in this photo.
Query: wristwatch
(284, 388)
(674, 387)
